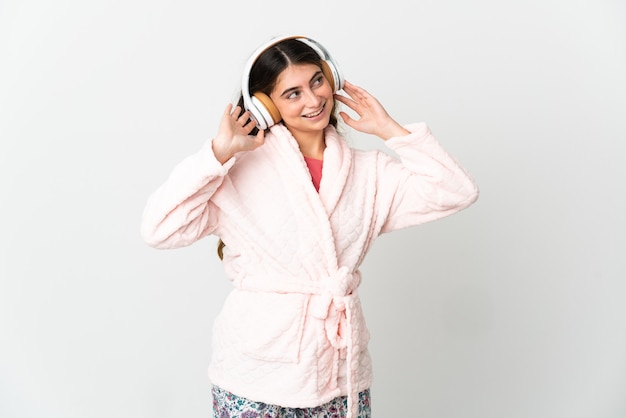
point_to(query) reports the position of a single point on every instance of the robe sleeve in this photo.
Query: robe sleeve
(180, 211)
(427, 183)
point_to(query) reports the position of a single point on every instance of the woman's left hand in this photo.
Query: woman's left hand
(373, 118)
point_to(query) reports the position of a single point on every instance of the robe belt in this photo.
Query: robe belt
(337, 294)
(335, 305)
(333, 300)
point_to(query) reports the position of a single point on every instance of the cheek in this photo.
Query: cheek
(287, 109)
(328, 91)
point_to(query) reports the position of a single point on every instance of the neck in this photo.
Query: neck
(312, 145)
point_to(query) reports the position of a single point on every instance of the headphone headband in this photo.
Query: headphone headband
(261, 108)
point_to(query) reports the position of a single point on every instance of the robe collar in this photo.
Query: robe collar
(337, 162)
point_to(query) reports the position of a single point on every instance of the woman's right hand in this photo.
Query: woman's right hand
(233, 135)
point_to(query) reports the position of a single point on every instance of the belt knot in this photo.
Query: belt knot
(333, 292)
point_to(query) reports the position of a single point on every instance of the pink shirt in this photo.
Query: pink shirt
(315, 167)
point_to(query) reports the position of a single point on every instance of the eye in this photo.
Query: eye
(293, 94)
(318, 81)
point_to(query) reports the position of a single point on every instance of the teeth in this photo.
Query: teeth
(311, 115)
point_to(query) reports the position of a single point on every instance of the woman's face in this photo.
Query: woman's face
(304, 98)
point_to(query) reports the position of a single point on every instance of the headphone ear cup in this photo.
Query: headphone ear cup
(333, 75)
(328, 73)
(267, 113)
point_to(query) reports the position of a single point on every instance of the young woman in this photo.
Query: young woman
(296, 210)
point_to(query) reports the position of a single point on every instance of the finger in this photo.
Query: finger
(347, 119)
(346, 101)
(358, 93)
(259, 139)
(250, 124)
(244, 118)
(233, 112)
(352, 88)
(349, 85)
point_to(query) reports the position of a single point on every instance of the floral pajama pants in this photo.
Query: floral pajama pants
(228, 405)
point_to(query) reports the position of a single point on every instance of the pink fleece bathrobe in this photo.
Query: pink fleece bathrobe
(292, 332)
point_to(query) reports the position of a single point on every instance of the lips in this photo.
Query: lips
(315, 114)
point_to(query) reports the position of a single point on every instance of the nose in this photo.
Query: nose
(312, 98)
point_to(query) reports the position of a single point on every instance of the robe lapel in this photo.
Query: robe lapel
(337, 161)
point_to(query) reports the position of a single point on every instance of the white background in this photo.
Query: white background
(514, 308)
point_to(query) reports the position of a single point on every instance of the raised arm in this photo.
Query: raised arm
(426, 184)
(180, 211)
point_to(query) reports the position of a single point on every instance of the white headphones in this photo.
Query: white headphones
(261, 107)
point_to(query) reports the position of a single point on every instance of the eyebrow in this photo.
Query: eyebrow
(290, 89)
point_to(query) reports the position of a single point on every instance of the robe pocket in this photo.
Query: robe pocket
(272, 324)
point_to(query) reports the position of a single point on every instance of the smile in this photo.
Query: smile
(312, 115)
